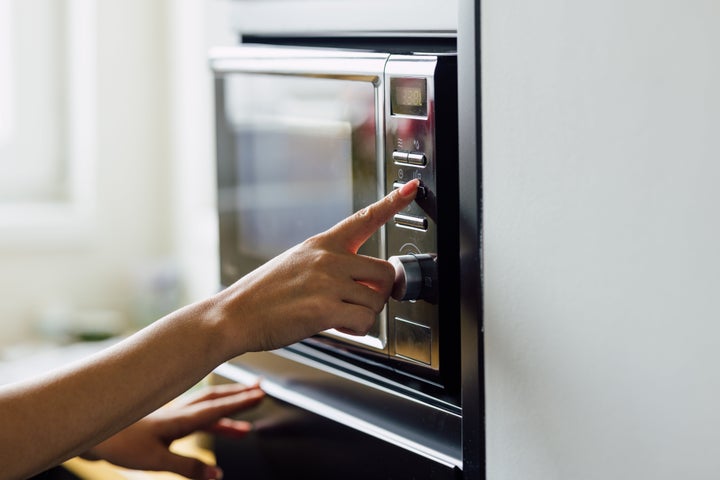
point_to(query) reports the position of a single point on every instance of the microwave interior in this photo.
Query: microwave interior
(296, 153)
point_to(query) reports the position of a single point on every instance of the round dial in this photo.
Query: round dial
(415, 277)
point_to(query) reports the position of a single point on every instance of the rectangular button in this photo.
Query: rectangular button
(421, 192)
(408, 221)
(400, 157)
(413, 341)
(418, 159)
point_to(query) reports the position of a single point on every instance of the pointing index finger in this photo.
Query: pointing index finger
(352, 232)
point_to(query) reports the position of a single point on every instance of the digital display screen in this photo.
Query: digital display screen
(408, 96)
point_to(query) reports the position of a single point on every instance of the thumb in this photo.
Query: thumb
(192, 468)
(352, 232)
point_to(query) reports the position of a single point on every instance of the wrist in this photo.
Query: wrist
(221, 318)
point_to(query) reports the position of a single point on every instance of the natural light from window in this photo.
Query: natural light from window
(47, 120)
(33, 56)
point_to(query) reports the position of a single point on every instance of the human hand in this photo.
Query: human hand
(145, 444)
(319, 284)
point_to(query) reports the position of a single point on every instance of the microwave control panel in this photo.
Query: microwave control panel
(413, 314)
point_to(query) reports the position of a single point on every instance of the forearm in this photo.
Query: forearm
(319, 284)
(61, 414)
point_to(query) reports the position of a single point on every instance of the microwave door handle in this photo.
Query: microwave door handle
(342, 65)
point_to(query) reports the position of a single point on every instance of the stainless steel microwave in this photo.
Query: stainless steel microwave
(305, 137)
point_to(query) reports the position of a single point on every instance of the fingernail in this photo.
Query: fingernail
(213, 473)
(408, 188)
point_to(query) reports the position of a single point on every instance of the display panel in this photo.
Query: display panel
(408, 96)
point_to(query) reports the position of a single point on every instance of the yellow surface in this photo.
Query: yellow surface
(94, 470)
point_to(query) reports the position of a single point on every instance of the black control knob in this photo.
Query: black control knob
(415, 277)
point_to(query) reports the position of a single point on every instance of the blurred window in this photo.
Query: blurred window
(47, 120)
(33, 100)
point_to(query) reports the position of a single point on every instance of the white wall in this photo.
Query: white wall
(601, 123)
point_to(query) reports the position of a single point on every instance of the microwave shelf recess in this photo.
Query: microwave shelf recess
(307, 136)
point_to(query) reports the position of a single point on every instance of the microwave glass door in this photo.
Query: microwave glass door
(296, 154)
(301, 145)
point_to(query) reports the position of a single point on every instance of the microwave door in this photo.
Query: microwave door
(299, 138)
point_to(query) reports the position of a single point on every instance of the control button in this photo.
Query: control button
(415, 277)
(408, 221)
(421, 191)
(400, 157)
(411, 159)
(413, 341)
(417, 159)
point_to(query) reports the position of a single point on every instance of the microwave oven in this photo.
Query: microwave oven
(308, 135)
